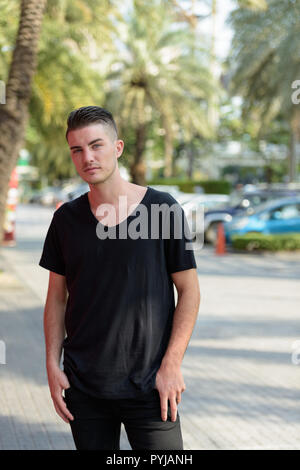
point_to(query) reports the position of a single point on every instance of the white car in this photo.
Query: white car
(195, 208)
(180, 197)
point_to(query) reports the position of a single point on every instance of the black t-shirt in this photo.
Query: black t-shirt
(121, 301)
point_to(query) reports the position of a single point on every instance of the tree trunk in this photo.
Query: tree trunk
(138, 167)
(14, 113)
(212, 100)
(191, 155)
(269, 174)
(294, 139)
(168, 143)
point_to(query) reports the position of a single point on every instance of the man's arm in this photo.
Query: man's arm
(169, 379)
(54, 330)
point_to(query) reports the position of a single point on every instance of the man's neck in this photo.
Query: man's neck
(108, 192)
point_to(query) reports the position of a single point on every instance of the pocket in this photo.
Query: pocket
(150, 397)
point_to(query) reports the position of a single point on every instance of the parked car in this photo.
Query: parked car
(196, 207)
(48, 196)
(278, 216)
(78, 190)
(240, 203)
(180, 196)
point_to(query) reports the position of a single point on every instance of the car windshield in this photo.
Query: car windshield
(265, 205)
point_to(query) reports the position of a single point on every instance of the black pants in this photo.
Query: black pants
(97, 422)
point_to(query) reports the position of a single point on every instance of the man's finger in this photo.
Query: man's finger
(164, 407)
(173, 406)
(61, 405)
(59, 412)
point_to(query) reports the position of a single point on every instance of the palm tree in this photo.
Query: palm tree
(74, 36)
(155, 79)
(14, 113)
(265, 62)
(69, 75)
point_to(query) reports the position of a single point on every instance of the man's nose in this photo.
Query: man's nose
(87, 155)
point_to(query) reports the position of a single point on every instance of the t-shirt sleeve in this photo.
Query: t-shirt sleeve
(178, 245)
(52, 256)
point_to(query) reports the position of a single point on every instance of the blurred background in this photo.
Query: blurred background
(204, 94)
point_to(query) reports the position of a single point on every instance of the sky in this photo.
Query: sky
(223, 32)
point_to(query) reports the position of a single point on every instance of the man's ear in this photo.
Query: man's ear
(119, 147)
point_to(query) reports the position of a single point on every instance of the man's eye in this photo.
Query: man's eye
(78, 150)
(96, 145)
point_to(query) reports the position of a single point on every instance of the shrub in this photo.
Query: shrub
(260, 242)
(188, 186)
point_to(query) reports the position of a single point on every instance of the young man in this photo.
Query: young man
(111, 289)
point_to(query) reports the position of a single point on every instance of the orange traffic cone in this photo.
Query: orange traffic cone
(221, 243)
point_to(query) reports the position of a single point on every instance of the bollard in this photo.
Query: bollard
(221, 242)
(9, 236)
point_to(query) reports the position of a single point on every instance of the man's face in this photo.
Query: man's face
(94, 151)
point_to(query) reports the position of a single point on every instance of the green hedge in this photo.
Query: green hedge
(259, 242)
(188, 186)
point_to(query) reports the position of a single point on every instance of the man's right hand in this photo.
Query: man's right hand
(58, 382)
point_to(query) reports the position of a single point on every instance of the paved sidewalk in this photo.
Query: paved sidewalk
(243, 390)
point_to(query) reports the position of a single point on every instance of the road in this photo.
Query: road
(242, 387)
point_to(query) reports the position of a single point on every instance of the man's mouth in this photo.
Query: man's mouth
(92, 168)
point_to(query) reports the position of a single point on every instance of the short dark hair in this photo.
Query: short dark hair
(88, 115)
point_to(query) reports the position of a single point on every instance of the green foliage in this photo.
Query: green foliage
(188, 186)
(8, 29)
(261, 242)
(137, 61)
(265, 60)
(65, 78)
(155, 80)
(255, 5)
(216, 186)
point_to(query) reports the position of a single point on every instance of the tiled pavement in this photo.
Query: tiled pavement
(243, 390)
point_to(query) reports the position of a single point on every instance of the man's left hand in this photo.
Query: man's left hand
(170, 384)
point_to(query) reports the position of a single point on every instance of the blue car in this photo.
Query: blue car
(276, 216)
